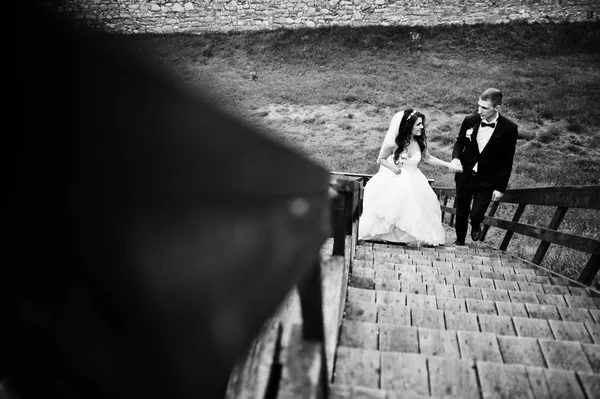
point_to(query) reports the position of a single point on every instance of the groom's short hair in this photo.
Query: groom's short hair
(492, 95)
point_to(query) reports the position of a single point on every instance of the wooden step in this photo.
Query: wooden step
(422, 316)
(407, 375)
(464, 322)
(589, 306)
(472, 345)
(505, 282)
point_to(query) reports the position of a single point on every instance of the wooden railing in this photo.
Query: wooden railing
(308, 348)
(562, 198)
(178, 251)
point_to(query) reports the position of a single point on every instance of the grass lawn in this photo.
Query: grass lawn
(331, 93)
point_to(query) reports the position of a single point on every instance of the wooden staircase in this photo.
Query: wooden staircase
(464, 322)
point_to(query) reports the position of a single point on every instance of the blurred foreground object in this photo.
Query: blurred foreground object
(154, 234)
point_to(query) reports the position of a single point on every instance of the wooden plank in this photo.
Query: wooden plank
(428, 318)
(575, 314)
(481, 307)
(590, 270)
(390, 298)
(547, 312)
(302, 374)
(337, 391)
(357, 367)
(566, 196)
(406, 372)
(332, 271)
(570, 331)
(451, 304)
(520, 350)
(531, 287)
(497, 295)
(499, 325)
(522, 297)
(395, 314)
(583, 244)
(593, 354)
(511, 309)
(452, 378)
(250, 377)
(590, 384)
(580, 302)
(444, 205)
(481, 283)
(361, 311)
(537, 381)
(398, 338)
(358, 334)
(565, 355)
(508, 235)
(361, 295)
(532, 328)
(461, 321)
(438, 343)
(491, 213)
(552, 299)
(479, 346)
(503, 381)
(449, 210)
(467, 292)
(563, 384)
(559, 214)
(594, 330)
(420, 301)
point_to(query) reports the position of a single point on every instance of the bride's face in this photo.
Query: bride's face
(418, 127)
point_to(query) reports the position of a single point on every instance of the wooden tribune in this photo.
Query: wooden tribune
(187, 228)
(563, 198)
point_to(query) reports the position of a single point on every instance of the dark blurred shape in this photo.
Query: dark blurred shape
(152, 233)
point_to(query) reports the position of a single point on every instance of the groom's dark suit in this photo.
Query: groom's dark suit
(493, 170)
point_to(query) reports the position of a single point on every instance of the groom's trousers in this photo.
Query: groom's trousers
(469, 191)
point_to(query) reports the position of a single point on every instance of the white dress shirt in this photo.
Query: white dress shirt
(483, 137)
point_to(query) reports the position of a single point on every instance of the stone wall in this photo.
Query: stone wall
(199, 16)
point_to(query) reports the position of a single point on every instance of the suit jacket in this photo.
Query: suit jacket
(496, 159)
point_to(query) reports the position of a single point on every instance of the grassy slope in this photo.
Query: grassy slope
(331, 93)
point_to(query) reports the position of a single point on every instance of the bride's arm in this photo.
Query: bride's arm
(386, 151)
(430, 159)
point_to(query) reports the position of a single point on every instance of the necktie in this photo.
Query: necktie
(492, 125)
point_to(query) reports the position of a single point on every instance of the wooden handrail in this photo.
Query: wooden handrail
(563, 198)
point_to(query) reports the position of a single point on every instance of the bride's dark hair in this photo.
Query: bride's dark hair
(405, 133)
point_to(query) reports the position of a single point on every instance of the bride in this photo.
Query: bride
(399, 205)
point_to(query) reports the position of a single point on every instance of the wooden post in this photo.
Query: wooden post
(445, 203)
(590, 270)
(313, 329)
(509, 234)
(559, 214)
(451, 224)
(339, 226)
(486, 227)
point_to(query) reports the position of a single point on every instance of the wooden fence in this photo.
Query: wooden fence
(562, 199)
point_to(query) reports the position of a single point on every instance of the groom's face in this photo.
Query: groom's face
(486, 110)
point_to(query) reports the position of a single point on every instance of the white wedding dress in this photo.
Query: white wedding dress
(401, 208)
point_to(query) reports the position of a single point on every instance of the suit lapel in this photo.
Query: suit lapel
(474, 135)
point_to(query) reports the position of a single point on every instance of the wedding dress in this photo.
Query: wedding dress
(401, 208)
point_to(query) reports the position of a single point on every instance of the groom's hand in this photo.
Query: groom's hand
(496, 195)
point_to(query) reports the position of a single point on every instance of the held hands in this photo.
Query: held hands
(496, 195)
(396, 169)
(455, 166)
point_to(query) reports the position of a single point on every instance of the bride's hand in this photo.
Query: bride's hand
(397, 170)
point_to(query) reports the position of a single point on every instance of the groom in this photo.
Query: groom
(485, 148)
